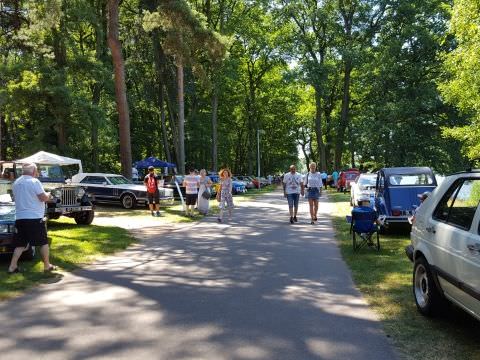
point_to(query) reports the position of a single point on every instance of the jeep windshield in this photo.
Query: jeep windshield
(410, 179)
(118, 180)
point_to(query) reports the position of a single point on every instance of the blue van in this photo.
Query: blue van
(397, 191)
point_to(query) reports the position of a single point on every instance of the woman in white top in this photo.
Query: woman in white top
(313, 182)
(204, 192)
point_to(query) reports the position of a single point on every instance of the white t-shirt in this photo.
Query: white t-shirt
(27, 205)
(292, 183)
(191, 184)
(313, 180)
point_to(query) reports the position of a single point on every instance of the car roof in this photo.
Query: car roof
(406, 170)
(98, 174)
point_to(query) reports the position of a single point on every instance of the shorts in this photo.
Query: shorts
(30, 231)
(293, 200)
(313, 193)
(191, 199)
(153, 198)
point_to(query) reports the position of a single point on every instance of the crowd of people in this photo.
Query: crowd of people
(198, 191)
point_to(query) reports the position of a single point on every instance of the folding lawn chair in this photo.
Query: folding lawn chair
(363, 228)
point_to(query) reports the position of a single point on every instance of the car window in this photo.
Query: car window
(459, 205)
(413, 179)
(93, 180)
(118, 180)
(465, 204)
(443, 208)
(367, 181)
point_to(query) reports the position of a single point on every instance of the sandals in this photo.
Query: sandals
(15, 271)
(50, 269)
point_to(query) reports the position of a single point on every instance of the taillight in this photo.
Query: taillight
(396, 213)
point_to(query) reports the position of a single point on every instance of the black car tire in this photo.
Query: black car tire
(128, 201)
(85, 217)
(427, 297)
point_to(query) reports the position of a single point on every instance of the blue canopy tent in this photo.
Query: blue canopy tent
(152, 161)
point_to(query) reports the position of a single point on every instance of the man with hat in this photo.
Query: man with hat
(153, 195)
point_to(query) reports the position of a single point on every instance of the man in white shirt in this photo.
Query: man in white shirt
(191, 183)
(30, 198)
(292, 188)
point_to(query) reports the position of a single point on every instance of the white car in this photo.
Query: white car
(363, 186)
(116, 188)
(445, 246)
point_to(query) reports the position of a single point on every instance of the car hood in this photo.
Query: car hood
(7, 212)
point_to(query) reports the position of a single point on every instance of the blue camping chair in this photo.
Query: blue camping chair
(363, 227)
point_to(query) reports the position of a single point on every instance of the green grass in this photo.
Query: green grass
(385, 280)
(71, 246)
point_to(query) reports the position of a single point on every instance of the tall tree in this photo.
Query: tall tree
(120, 88)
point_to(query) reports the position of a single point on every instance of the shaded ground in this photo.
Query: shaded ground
(255, 288)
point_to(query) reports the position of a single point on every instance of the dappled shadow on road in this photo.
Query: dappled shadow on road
(253, 288)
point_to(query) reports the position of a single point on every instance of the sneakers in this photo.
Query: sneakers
(158, 213)
(153, 214)
(291, 220)
(295, 219)
(312, 222)
(219, 220)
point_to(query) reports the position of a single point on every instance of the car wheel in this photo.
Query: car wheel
(427, 297)
(128, 201)
(85, 217)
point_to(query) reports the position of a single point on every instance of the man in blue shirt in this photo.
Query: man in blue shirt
(30, 198)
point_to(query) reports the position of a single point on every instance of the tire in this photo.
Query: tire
(85, 217)
(128, 201)
(427, 297)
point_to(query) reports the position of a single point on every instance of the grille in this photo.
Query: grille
(68, 197)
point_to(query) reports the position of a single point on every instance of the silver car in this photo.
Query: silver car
(445, 246)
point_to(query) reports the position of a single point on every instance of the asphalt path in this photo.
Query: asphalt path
(252, 288)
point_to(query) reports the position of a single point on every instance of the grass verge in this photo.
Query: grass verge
(72, 245)
(385, 279)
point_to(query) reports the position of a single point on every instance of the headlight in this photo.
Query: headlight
(80, 192)
(4, 228)
(57, 193)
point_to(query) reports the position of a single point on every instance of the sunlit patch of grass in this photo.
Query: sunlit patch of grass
(71, 246)
(385, 279)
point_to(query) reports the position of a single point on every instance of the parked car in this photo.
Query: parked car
(114, 188)
(7, 228)
(445, 247)
(364, 185)
(346, 178)
(67, 199)
(397, 190)
(247, 180)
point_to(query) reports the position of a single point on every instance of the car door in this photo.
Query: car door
(96, 185)
(454, 246)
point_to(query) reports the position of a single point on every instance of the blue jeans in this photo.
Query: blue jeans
(293, 200)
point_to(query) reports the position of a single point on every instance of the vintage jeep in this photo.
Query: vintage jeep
(67, 200)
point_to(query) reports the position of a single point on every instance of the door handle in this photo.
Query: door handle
(474, 248)
(430, 229)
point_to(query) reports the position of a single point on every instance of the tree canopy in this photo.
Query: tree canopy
(366, 83)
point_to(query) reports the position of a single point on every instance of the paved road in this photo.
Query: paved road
(255, 288)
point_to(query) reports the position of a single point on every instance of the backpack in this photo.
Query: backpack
(152, 185)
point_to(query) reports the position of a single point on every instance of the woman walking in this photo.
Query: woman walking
(224, 195)
(204, 193)
(314, 183)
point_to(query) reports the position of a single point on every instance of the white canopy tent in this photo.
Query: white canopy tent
(43, 157)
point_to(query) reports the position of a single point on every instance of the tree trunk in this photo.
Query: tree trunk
(120, 88)
(318, 130)
(214, 128)
(181, 119)
(344, 118)
(166, 148)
